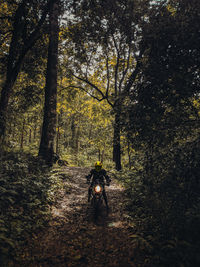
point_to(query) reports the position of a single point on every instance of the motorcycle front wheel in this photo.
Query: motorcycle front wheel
(96, 203)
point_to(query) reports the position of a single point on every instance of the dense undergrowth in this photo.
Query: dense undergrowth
(162, 197)
(27, 190)
(164, 203)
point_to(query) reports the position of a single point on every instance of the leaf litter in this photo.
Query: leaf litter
(73, 239)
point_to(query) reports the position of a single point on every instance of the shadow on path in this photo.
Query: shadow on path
(73, 239)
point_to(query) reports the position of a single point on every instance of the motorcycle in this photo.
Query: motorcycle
(97, 197)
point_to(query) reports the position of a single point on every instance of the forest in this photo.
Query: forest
(116, 81)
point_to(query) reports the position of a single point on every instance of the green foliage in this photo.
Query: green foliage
(84, 127)
(163, 199)
(163, 127)
(161, 108)
(27, 191)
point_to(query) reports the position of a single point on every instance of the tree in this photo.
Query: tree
(49, 121)
(25, 33)
(107, 36)
(161, 109)
(84, 126)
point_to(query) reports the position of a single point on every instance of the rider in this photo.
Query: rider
(98, 173)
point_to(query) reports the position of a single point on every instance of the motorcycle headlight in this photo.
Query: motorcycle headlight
(97, 189)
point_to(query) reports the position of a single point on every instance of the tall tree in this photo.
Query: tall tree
(162, 108)
(25, 33)
(50, 116)
(107, 38)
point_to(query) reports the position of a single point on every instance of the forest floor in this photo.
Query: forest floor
(73, 238)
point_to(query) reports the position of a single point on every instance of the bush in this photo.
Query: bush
(163, 200)
(26, 193)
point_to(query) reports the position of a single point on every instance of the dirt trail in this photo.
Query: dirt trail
(73, 239)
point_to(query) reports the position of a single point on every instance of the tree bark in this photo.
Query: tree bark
(73, 131)
(5, 94)
(57, 140)
(30, 136)
(15, 59)
(129, 155)
(22, 135)
(46, 149)
(35, 130)
(99, 154)
(116, 140)
(77, 142)
(102, 155)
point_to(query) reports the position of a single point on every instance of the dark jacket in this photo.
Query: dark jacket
(101, 175)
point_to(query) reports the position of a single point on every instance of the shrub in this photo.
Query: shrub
(163, 200)
(26, 192)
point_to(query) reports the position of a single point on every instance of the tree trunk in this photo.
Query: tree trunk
(77, 142)
(102, 155)
(15, 59)
(11, 71)
(57, 141)
(22, 135)
(73, 130)
(30, 136)
(129, 155)
(5, 94)
(49, 120)
(99, 154)
(35, 131)
(116, 141)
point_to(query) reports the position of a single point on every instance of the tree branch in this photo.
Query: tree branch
(116, 66)
(35, 34)
(134, 74)
(83, 89)
(91, 84)
(108, 75)
(94, 87)
(33, 37)
(126, 69)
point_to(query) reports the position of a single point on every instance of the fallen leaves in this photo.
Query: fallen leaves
(72, 239)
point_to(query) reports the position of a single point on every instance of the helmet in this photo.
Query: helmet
(98, 165)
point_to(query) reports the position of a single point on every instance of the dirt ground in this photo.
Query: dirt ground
(74, 239)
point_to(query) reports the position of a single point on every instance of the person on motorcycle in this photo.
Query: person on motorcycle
(101, 174)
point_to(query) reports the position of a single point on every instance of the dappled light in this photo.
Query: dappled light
(77, 235)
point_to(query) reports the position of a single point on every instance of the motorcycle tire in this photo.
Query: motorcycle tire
(97, 207)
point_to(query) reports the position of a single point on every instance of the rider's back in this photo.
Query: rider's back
(98, 174)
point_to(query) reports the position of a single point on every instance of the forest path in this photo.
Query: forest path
(73, 239)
